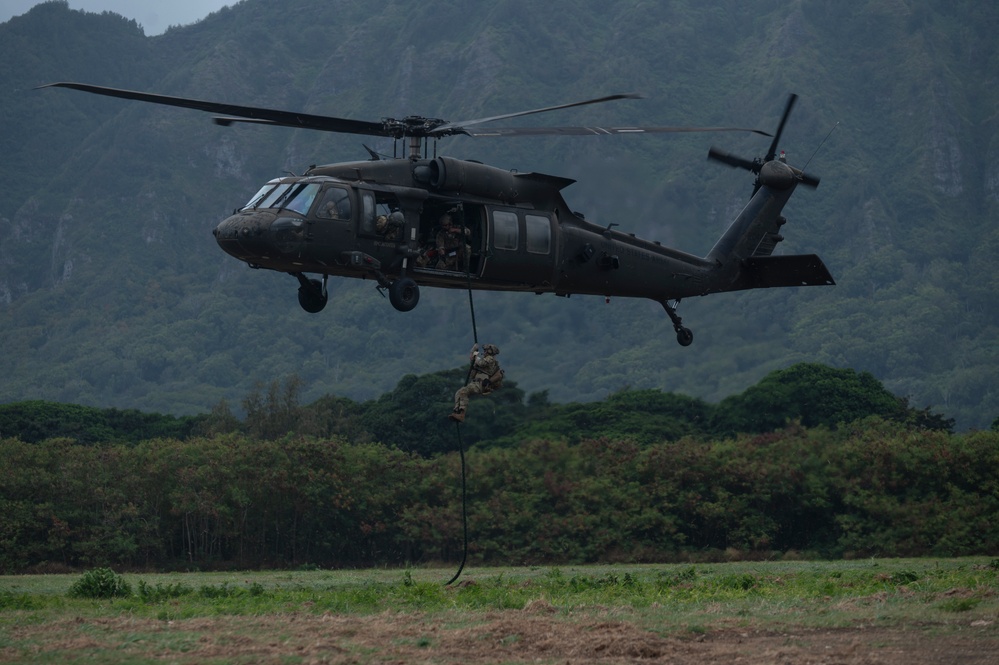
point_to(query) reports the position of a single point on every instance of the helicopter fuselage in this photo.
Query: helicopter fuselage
(381, 220)
(504, 230)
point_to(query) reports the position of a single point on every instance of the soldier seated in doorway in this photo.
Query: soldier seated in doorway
(452, 246)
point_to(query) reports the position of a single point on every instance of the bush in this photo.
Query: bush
(162, 592)
(100, 583)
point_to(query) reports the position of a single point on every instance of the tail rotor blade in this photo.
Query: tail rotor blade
(780, 128)
(732, 160)
(809, 180)
(757, 165)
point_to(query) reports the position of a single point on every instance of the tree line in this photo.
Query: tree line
(411, 417)
(874, 487)
(812, 460)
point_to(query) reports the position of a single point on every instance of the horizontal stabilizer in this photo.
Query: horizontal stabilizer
(764, 272)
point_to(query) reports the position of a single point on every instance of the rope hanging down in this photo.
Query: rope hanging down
(464, 509)
(461, 447)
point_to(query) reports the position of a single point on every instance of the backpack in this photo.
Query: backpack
(494, 382)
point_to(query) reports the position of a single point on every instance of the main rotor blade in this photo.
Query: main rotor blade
(416, 126)
(733, 160)
(586, 131)
(780, 128)
(255, 114)
(458, 127)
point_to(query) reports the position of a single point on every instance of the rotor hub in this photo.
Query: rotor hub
(410, 126)
(777, 175)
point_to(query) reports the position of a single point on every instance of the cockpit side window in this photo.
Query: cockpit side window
(376, 205)
(368, 212)
(301, 198)
(334, 204)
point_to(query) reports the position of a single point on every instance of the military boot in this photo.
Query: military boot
(458, 415)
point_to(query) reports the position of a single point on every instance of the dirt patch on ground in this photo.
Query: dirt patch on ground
(532, 635)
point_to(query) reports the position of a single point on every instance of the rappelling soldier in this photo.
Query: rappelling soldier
(485, 376)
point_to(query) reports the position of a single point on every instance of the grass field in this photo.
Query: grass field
(872, 610)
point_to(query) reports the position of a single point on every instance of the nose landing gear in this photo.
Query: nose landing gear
(404, 293)
(312, 294)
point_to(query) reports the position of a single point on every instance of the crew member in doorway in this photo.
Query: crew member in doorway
(452, 247)
(485, 377)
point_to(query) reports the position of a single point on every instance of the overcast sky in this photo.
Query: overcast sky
(155, 16)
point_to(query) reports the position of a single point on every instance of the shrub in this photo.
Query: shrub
(100, 583)
(161, 592)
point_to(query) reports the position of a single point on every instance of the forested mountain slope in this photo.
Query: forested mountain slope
(113, 292)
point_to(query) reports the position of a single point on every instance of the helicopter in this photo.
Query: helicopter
(422, 220)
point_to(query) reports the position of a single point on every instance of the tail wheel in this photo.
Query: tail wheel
(684, 336)
(404, 294)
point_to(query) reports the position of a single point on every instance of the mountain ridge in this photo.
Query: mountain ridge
(112, 292)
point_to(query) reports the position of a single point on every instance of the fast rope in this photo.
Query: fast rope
(464, 509)
(457, 429)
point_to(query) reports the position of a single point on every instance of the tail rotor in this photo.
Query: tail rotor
(756, 165)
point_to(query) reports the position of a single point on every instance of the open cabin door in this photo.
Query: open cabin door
(451, 237)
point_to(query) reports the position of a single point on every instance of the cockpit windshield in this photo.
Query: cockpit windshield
(294, 196)
(259, 196)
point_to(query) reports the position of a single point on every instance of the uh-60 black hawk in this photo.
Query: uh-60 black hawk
(385, 219)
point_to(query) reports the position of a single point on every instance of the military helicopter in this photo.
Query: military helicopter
(386, 219)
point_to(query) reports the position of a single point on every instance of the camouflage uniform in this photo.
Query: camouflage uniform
(484, 366)
(388, 226)
(450, 246)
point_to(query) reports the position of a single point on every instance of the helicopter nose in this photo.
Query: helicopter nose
(244, 235)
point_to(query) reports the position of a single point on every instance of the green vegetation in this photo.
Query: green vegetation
(787, 584)
(608, 443)
(641, 477)
(100, 583)
(37, 420)
(517, 613)
(409, 417)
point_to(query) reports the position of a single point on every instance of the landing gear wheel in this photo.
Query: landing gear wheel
(312, 296)
(684, 336)
(404, 294)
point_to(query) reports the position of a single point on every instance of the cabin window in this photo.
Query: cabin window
(506, 234)
(539, 234)
(334, 204)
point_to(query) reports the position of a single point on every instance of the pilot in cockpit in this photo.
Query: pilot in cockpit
(335, 204)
